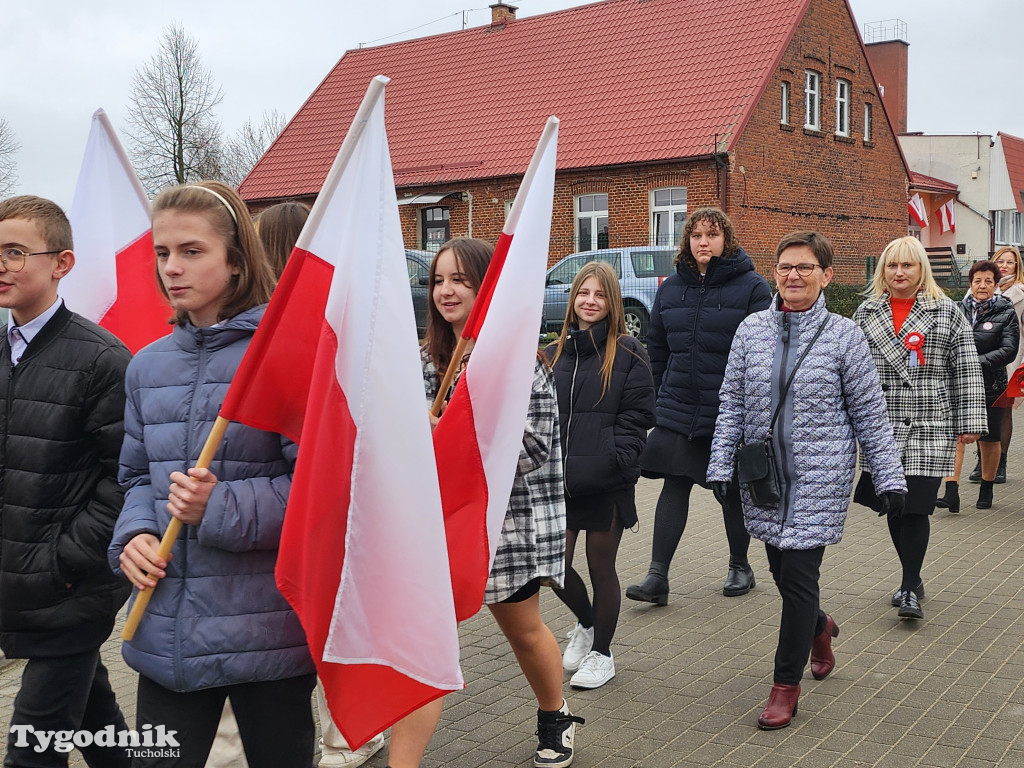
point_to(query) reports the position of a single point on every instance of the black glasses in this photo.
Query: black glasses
(14, 258)
(801, 269)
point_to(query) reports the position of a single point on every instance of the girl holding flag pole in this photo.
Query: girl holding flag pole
(531, 551)
(219, 628)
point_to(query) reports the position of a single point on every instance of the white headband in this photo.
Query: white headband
(219, 197)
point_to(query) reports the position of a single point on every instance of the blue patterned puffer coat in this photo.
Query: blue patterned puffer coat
(834, 402)
(217, 618)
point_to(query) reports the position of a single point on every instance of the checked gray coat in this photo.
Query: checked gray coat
(532, 541)
(833, 404)
(929, 405)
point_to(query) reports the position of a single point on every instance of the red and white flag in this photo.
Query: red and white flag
(915, 207)
(113, 282)
(480, 435)
(335, 366)
(947, 216)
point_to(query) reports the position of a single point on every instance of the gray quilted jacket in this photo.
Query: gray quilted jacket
(217, 618)
(835, 402)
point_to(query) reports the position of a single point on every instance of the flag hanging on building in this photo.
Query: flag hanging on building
(915, 207)
(113, 282)
(947, 216)
(335, 366)
(480, 435)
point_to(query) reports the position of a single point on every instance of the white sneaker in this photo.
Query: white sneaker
(595, 670)
(581, 640)
(334, 757)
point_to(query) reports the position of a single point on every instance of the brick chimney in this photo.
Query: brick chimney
(502, 14)
(888, 59)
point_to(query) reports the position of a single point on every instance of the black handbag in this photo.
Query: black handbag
(756, 468)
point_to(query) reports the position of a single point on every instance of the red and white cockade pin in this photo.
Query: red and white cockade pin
(915, 343)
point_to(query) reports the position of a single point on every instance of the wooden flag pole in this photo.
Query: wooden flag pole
(171, 534)
(449, 376)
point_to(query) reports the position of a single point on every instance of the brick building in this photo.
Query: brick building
(769, 110)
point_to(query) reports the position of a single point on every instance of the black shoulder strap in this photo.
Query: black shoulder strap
(789, 381)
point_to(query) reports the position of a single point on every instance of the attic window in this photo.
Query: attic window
(812, 100)
(784, 110)
(842, 107)
(867, 123)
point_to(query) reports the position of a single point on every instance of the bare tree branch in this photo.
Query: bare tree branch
(247, 146)
(174, 136)
(8, 148)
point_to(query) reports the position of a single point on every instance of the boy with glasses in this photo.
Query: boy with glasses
(61, 417)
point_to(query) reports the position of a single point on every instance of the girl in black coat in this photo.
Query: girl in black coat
(605, 407)
(996, 336)
(694, 318)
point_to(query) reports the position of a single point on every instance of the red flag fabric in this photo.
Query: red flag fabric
(480, 435)
(113, 282)
(335, 365)
(915, 207)
(947, 216)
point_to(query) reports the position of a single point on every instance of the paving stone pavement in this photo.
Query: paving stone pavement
(692, 676)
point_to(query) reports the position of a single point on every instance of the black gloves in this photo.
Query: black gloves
(892, 504)
(721, 490)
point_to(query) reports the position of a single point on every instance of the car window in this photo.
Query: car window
(419, 273)
(563, 273)
(615, 259)
(653, 263)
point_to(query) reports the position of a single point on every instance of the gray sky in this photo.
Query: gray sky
(63, 60)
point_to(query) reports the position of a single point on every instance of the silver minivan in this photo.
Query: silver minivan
(640, 269)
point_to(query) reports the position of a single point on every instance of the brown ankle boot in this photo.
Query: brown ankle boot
(781, 706)
(822, 659)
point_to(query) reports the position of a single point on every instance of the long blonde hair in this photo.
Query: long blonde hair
(908, 248)
(1017, 276)
(609, 283)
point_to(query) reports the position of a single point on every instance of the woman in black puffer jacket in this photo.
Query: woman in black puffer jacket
(996, 335)
(605, 407)
(693, 320)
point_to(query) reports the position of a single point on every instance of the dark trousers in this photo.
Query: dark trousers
(275, 721)
(66, 693)
(796, 575)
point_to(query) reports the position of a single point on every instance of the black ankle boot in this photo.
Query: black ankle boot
(985, 495)
(975, 476)
(1001, 472)
(740, 579)
(951, 500)
(654, 587)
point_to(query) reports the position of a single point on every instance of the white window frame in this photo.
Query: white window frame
(843, 91)
(867, 121)
(812, 100)
(1008, 227)
(594, 216)
(669, 210)
(784, 107)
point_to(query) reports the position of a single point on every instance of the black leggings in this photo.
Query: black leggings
(673, 510)
(911, 530)
(603, 614)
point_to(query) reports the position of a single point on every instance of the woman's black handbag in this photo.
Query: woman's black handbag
(756, 468)
(757, 471)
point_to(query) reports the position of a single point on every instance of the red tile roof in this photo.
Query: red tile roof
(1013, 151)
(631, 80)
(931, 184)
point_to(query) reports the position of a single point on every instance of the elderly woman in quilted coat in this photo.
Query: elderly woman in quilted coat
(834, 402)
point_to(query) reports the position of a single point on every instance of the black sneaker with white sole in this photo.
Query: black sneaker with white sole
(556, 733)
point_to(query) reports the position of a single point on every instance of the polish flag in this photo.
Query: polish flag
(947, 216)
(480, 435)
(335, 366)
(915, 207)
(114, 279)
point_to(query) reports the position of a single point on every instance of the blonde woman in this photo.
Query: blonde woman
(1011, 285)
(605, 389)
(928, 365)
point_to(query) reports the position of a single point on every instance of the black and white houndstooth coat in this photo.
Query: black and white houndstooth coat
(532, 543)
(929, 405)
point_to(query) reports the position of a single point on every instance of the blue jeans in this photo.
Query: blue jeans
(66, 693)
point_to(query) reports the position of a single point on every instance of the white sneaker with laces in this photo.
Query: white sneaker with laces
(335, 757)
(581, 640)
(595, 670)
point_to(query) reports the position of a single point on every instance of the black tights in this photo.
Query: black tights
(673, 510)
(603, 614)
(910, 537)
